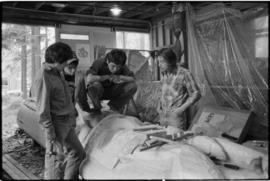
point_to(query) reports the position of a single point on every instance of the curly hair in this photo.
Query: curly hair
(117, 56)
(58, 53)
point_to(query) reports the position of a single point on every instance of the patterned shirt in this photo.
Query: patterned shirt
(53, 97)
(176, 89)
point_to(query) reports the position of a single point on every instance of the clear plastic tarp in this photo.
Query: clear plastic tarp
(228, 56)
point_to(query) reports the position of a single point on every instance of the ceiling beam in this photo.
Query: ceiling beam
(148, 10)
(156, 13)
(129, 14)
(39, 5)
(81, 9)
(60, 8)
(67, 18)
(101, 10)
(14, 4)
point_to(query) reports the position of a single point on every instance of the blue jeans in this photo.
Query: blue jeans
(62, 165)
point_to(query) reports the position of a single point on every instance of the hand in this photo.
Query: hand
(88, 79)
(159, 108)
(47, 66)
(50, 134)
(177, 112)
(116, 79)
(105, 77)
(55, 147)
(173, 130)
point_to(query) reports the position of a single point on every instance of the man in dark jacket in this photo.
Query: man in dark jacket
(57, 115)
(110, 79)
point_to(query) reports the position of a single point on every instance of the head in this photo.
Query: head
(116, 59)
(167, 59)
(58, 53)
(72, 65)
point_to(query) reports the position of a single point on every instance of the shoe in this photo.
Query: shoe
(95, 111)
(112, 108)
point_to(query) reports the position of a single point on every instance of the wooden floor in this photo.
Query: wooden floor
(15, 170)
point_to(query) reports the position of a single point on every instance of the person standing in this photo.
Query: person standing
(179, 91)
(57, 115)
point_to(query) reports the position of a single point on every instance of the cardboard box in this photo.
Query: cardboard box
(222, 122)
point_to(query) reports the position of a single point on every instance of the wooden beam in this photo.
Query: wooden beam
(131, 14)
(24, 68)
(60, 9)
(39, 5)
(28, 15)
(149, 15)
(101, 10)
(14, 4)
(80, 9)
(15, 170)
(148, 11)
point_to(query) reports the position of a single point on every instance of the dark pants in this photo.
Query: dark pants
(118, 94)
(60, 162)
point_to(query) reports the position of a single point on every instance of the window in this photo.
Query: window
(261, 42)
(73, 36)
(131, 40)
(23, 42)
(4, 81)
(163, 33)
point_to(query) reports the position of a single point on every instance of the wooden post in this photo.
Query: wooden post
(35, 42)
(24, 68)
(33, 65)
(185, 41)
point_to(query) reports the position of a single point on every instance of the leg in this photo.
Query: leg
(75, 155)
(120, 94)
(95, 92)
(53, 162)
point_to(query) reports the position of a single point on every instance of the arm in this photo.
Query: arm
(126, 76)
(92, 73)
(123, 78)
(193, 93)
(90, 78)
(43, 107)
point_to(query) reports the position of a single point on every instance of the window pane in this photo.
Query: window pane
(138, 41)
(74, 37)
(261, 23)
(119, 40)
(262, 47)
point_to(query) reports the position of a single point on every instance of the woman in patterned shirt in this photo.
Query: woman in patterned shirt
(179, 91)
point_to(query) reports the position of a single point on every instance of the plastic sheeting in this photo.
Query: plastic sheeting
(223, 57)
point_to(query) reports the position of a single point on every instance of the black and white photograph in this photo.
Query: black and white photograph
(134, 90)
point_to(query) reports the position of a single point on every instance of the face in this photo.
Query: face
(70, 69)
(113, 67)
(163, 65)
(60, 66)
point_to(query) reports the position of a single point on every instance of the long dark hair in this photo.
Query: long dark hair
(169, 56)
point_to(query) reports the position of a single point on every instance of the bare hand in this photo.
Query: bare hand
(173, 130)
(105, 77)
(116, 79)
(47, 66)
(88, 79)
(50, 133)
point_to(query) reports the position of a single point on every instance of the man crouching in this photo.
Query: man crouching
(110, 79)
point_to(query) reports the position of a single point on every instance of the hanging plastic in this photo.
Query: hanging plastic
(223, 56)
